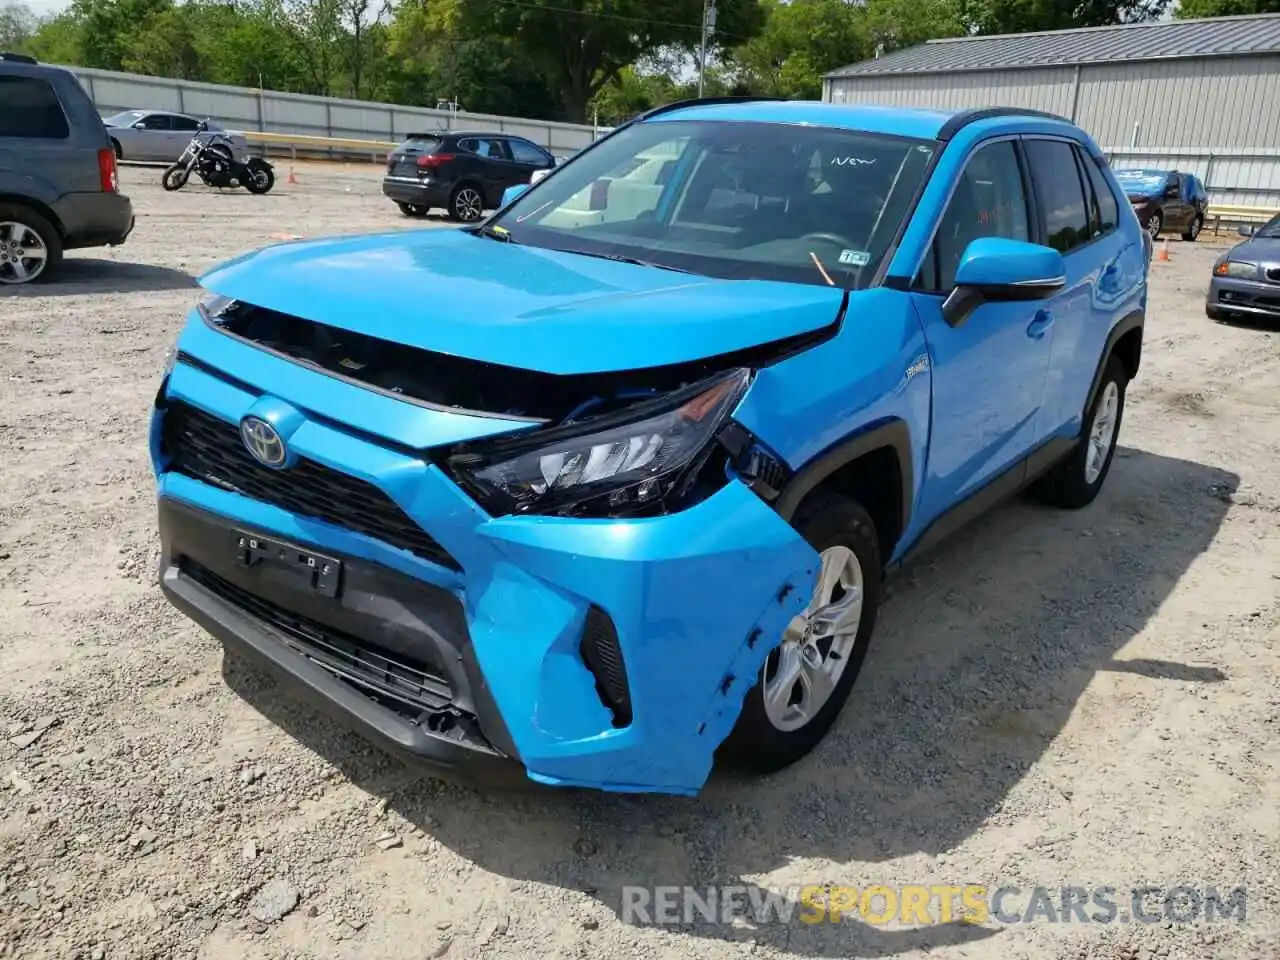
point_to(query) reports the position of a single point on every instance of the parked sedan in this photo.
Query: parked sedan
(1246, 279)
(153, 135)
(1166, 200)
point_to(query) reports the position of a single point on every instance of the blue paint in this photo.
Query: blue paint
(700, 596)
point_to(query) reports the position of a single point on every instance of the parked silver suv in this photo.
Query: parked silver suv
(58, 182)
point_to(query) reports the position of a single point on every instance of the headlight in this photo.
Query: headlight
(610, 465)
(1236, 268)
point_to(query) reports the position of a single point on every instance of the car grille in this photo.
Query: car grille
(410, 687)
(209, 449)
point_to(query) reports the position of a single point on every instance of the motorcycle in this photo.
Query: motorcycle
(211, 156)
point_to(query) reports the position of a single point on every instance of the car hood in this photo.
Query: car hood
(1257, 250)
(452, 292)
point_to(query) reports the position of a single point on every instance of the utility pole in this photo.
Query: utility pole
(708, 28)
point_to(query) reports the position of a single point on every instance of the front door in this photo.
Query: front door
(988, 372)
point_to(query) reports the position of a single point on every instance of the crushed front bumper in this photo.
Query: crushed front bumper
(611, 654)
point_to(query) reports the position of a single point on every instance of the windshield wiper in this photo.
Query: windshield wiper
(619, 258)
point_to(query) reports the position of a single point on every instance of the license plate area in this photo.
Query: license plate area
(301, 565)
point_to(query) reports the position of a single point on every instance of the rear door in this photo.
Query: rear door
(38, 156)
(184, 128)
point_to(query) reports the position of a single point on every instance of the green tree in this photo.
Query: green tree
(17, 27)
(1021, 16)
(579, 46)
(1190, 9)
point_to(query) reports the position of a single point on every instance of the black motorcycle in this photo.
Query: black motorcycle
(211, 155)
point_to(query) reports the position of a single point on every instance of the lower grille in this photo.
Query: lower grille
(1273, 274)
(208, 449)
(602, 654)
(410, 688)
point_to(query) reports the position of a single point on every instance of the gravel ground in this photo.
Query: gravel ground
(1053, 698)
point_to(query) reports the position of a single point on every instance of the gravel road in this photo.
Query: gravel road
(1053, 699)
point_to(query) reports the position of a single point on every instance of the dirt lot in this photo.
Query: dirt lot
(1054, 699)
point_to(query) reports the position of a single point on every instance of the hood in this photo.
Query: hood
(452, 292)
(1258, 250)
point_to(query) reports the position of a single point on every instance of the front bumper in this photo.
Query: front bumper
(693, 602)
(1228, 295)
(95, 219)
(408, 190)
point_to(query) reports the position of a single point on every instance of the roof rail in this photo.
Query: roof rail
(701, 101)
(965, 117)
(18, 58)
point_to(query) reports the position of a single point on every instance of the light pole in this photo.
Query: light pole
(708, 28)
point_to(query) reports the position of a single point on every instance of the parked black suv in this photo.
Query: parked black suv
(465, 173)
(58, 183)
(1166, 200)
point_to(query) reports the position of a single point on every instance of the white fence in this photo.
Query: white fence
(243, 108)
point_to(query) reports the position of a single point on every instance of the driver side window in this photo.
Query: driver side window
(989, 201)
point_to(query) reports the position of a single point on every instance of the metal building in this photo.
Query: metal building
(1199, 95)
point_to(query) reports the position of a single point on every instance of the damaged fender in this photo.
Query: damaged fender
(698, 599)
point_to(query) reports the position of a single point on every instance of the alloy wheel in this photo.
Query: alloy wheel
(800, 675)
(1103, 432)
(469, 205)
(23, 253)
(1153, 226)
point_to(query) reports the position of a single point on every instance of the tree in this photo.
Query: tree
(579, 46)
(1190, 9)
(17, 27)
(1022, 16)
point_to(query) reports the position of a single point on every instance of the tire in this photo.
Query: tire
(115, 146)
(1213, 313)
(175, 178)
(19, 227)
(1075, 481)
(1154, 225)
(412, 209)
(466, 204)
(838, 528)
(1192, 233)
(261, 177)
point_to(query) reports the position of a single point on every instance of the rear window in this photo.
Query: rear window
(422, 142)
(29, 108)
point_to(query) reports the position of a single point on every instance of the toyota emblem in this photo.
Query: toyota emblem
(261, 439)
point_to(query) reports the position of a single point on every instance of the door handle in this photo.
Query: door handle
(1039, 326)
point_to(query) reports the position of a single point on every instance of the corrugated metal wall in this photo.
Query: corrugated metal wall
(246, 109)
(1218, 118)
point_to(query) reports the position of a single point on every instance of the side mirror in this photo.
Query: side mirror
(511, 194)
(1247, 230)
(539, 175)
(1171, 193)
(140, 125)
(996, 269)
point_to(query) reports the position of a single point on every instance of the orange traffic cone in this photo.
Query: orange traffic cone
(1164, 251)
(292, 179)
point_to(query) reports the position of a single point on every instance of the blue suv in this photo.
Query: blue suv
(605, 487)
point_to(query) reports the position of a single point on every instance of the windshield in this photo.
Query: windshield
(1270, 229)
(126, 119)
(734, 200)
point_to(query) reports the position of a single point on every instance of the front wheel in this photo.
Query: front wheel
(806, 680)
(1154, 225)
(261, 178)
(1075, 481)
(175, 178)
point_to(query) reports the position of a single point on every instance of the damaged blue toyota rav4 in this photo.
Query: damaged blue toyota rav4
(603, 489)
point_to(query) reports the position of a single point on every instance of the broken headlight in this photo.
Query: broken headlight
(617, 464)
